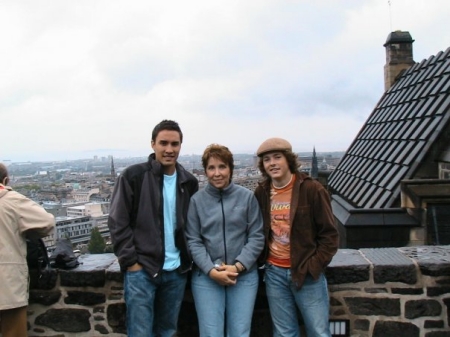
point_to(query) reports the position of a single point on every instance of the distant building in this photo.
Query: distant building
(249, 182)
(77, 229)
(84, 195)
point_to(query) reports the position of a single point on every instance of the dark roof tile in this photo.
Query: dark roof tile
(396, 136)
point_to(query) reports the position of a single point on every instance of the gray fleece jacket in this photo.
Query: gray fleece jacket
(224, 226)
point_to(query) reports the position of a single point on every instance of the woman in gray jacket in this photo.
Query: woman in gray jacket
(225, 237)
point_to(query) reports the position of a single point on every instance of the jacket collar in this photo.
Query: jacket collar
(157, 169)
(218, 193)
(4, 189)
(299, 178)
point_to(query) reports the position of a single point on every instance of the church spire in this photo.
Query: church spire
(113, 170)
(314, 165)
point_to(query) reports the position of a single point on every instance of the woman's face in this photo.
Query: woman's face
(218, 173)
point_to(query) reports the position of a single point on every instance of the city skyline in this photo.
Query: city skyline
(76, 85)
(107, 158)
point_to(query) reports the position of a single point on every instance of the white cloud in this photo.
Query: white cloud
(81, 75)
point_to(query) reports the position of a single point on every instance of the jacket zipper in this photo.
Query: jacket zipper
(223, 228)
(161, 224)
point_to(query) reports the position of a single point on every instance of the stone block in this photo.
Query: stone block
(339, 312)
(432, 260)
(369, 306)
(390, 265)
(44, 297)
(116, 317)
(98, 309)
(337, 289)
(79, 278)
(113, 273)
(334, 302)
(102, 329)
(447, 304)
(420, 308)
(438, 334)
(46, 280)
(362, 324)
(429, 324)
(376, 290)
(437, 291)
(395, 329)
(115, 296)
(443, 281)
(93, 262)
(347, 266)
(84, 298)
(67, 320)
(407, 291)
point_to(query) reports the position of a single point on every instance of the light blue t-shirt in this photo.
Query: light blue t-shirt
(172, 257)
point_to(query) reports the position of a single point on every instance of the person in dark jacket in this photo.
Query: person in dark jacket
(301, 239)
(147, 221)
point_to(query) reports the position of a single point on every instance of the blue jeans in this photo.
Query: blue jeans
(283, 297)
(153, 305)
(216, 304)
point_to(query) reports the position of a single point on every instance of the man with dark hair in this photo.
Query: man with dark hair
(147, 223)
(301, 239)
(20, 218)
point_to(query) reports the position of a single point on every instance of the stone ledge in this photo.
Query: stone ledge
(390, 265)
(347, 266)
(432, 260)
(381, 292)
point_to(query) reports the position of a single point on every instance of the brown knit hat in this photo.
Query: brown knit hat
(273, 144)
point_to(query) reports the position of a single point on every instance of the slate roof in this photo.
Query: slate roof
(396, 137)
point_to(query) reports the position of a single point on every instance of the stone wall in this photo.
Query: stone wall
(379, 292)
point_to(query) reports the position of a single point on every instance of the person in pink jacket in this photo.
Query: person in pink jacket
(20, 218)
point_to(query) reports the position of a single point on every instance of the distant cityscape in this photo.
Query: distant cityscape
(78, 192)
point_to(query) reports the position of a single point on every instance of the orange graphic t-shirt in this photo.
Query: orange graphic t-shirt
(279, 244)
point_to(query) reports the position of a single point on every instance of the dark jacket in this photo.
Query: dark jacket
(314, 237)
(136, 217)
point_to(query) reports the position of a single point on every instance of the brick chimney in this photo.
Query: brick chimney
(399, 56)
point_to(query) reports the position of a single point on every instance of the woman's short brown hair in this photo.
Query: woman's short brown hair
(219, 152)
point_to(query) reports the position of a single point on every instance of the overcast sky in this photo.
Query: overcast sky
(84, 78)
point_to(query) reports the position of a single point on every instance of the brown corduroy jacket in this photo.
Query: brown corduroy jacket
(314, 237)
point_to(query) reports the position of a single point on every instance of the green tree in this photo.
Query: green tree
(96, 244)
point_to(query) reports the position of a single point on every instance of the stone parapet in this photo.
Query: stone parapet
(377, 292)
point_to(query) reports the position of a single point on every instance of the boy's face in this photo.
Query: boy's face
(167, 146)
(276, 166)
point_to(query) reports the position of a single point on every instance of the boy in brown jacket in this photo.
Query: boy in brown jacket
(301, 239)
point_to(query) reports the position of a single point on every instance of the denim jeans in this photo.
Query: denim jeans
(153, 305)
(284, 299)
(216, 304)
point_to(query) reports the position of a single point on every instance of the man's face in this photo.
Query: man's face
(167, 146)
(276, 166)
